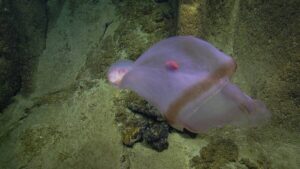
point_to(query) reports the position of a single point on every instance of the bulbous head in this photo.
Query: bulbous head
(118, 70)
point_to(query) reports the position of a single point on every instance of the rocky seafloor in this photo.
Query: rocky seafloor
(58, 111)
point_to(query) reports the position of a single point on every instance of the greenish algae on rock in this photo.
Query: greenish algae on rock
(219, 153)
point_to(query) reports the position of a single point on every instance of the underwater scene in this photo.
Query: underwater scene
(149, 84)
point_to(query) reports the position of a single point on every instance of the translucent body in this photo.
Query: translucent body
(186, 78)
(118, 70)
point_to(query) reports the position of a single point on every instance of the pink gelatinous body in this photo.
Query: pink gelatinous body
(187, 79)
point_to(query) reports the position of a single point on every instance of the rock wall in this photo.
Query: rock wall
(22, 36)
(10, 78)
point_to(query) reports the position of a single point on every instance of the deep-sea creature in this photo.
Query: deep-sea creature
(187, 79)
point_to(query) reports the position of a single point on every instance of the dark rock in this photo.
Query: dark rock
(161, 1)
(138, 105)
(22, 39)
(9, 61)
(144, 123)
(160, 145)
(31, 21)
(189, 133)
(156, 135)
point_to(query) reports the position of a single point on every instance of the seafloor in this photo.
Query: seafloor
(66, 115)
